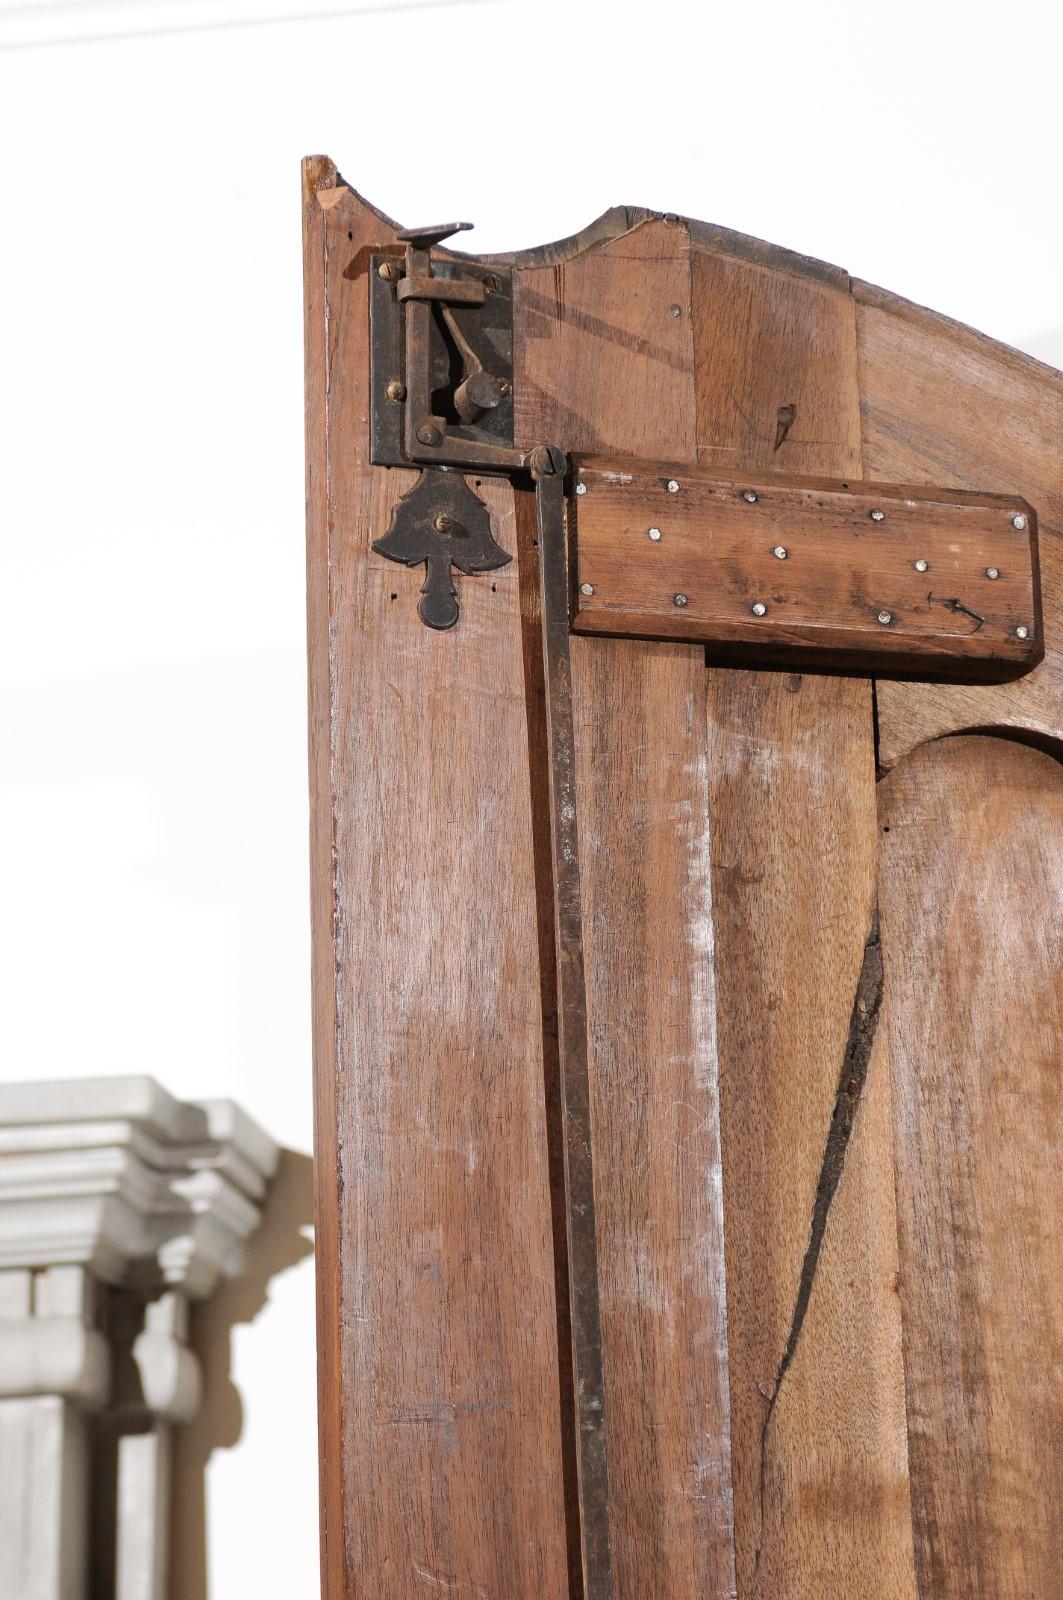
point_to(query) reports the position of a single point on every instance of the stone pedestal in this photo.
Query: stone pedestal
(118, 1205)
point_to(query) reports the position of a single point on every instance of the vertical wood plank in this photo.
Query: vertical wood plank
(817, 1399)
(607, 363)
(441, 1406)
(972, 882)
(605, 348)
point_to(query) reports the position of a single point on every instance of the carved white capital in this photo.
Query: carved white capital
(118, 1204)
(116, 1175)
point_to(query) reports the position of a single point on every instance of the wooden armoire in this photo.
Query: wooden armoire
(686, 701)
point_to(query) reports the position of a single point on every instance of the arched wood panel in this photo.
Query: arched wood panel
(971, 899)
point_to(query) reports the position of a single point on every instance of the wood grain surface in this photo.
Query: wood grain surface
(941, 404)
(817, 1396)
(605, 362)
(443, 1434)
(604, 354)
(806, 568)
(825, 1145)
(971, 889)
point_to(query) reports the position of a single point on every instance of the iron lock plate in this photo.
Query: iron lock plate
(415, 381)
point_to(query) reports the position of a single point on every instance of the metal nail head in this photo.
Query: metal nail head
(750, 496)
(885, 617)
(654, 534)
(758, 608)
(428, 435)
(877, 515)
(675, 311)
(396, 389)
(992, 572)
(1022, 632)
(1018, 521)
(586, 588)
(680, 600)
(780, 552)
(581, 488)
(673, 487)
(921, 565)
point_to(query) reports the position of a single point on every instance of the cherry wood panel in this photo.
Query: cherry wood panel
(817, 1398)
(942, 404)
(870, 573)
(442, 1437)
(607, 362)
(971, 889)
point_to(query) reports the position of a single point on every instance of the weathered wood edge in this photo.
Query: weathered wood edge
(621, 219)
(319, 174)
(869, 294)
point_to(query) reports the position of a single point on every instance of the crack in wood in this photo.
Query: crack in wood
(863, 1022)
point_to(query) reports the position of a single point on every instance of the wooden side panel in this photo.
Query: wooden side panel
(971, 889)
(442, 1422)
(817, 1399)
(608, 364)
(944, 405)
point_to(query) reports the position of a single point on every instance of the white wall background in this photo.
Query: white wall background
(152, 741)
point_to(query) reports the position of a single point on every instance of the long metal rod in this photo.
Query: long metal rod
(588, 1385)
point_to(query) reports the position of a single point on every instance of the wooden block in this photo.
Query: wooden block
(808, 569)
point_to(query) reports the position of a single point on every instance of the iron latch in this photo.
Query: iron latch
(442, 358)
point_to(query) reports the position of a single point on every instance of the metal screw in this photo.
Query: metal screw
(780, 552)
(1022, 631)
(680, 600)
(675, 311)
(581, 488)
(751, 496)
(396, 389)
(876, 515)
(387, 271)
(921, 565)
(992, 572)
(1018, 521)
(426, 434)
(586, 588)
(672, 486)
(758, 608)
(654, 534)
(885, 617)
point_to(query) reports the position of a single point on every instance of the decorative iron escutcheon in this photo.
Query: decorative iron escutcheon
(442, 524)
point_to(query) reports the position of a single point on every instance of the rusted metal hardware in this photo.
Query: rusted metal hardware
(441, 358)
(585, 1313)
(442, 524)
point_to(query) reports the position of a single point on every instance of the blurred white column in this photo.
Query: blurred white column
(118, 1204)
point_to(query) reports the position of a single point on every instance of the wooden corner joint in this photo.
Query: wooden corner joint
(807, 570)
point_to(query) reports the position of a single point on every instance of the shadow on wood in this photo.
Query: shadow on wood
(279, 1244)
